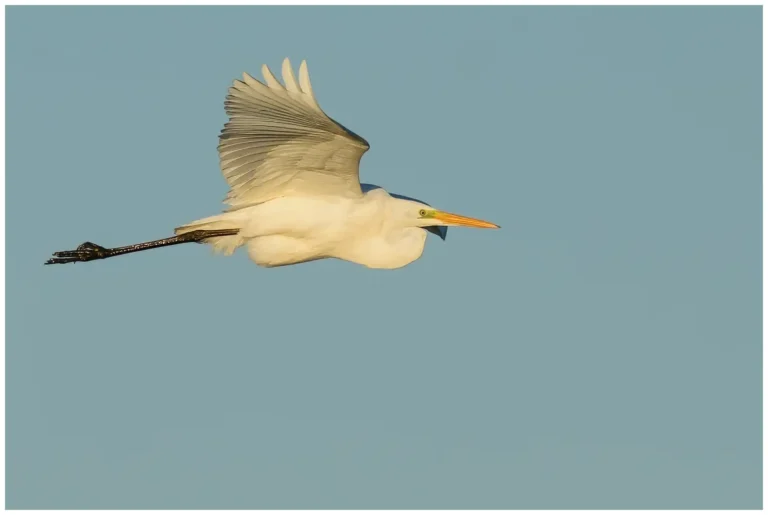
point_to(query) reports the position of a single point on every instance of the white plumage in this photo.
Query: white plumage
(294, 182)
(294, 188)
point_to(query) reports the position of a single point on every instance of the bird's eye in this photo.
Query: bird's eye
(423, 212)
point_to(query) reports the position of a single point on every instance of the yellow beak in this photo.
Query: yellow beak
(450, 218)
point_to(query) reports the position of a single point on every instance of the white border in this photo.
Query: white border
(391, 2)
(2, 259)
(351, 2)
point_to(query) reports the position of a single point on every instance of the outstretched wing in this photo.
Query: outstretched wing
(278, 142)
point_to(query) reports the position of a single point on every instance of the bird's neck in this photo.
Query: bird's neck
(380, 241)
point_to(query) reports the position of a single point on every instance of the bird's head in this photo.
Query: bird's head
(416, 213)
(412, 212)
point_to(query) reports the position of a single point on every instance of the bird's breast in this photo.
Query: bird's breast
(385, 250)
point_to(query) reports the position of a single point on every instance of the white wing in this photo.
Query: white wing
(278, 142)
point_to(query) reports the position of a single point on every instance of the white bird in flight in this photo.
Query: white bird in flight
(295, 194)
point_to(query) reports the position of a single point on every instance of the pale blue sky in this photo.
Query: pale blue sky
(602, 350)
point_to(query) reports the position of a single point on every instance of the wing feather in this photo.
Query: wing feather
(272, 82)
(279, 142)
(289, 79)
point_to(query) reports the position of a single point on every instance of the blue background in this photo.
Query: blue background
(602, 350)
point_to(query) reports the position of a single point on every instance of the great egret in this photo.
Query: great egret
(295, 194)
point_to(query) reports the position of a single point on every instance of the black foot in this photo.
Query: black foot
(86, 252)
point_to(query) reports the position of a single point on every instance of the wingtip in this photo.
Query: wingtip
(270, 79)
(288, 78)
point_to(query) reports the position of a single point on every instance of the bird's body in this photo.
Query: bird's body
(295, 193)
(363, 230)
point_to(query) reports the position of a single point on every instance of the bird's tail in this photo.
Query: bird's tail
(223, 244)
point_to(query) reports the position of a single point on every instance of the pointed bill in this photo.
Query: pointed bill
(465, 221)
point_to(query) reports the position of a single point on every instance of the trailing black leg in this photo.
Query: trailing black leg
(90, 251)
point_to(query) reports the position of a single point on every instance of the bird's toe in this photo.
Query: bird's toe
(85, 252)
